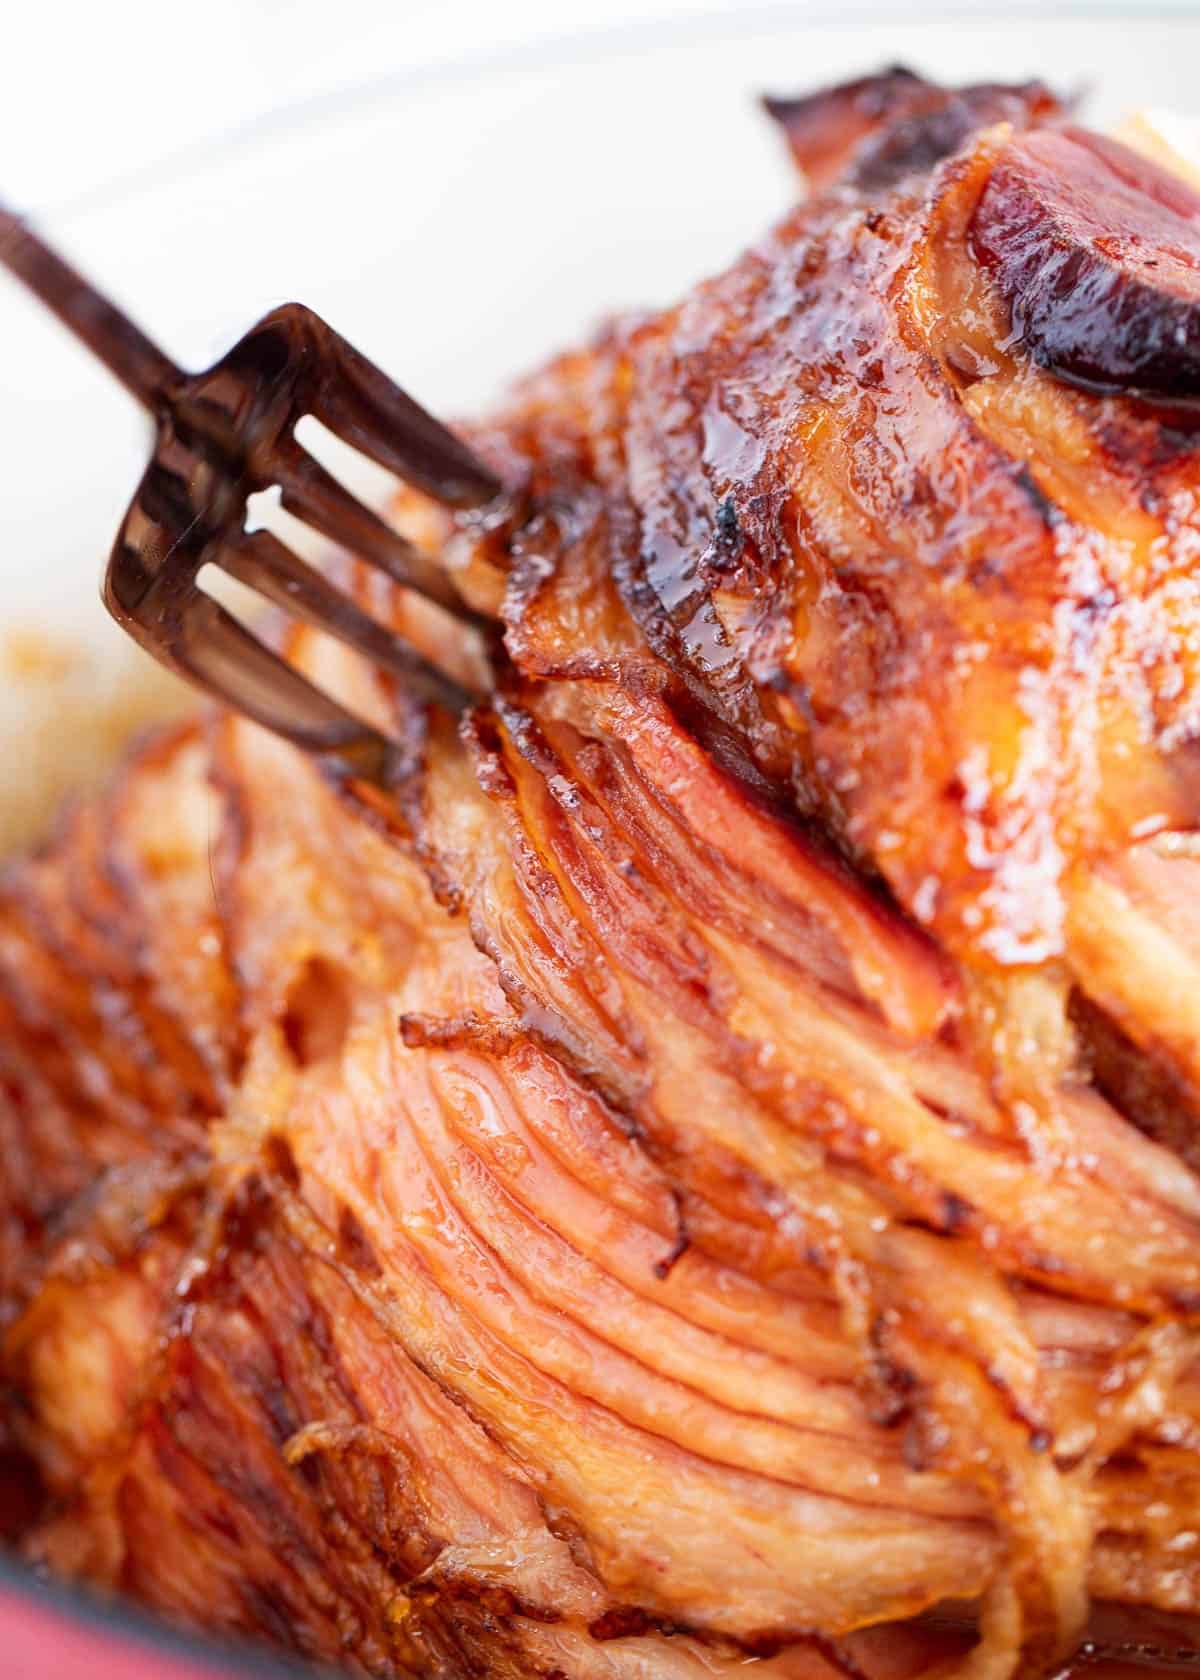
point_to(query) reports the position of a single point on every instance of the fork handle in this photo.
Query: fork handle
(110, 335)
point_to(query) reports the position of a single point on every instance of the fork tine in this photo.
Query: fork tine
(316, 497)
(108, 333)
(228, 430)
(373, 414)
(208, 646)
(267, 565)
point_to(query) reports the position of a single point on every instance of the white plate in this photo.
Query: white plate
(459, 224)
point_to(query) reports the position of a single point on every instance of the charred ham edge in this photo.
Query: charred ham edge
(1096, 251)
(871, 132)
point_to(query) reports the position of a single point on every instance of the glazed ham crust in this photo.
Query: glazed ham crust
(706, 1174)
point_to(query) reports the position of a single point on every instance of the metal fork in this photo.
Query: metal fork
(221, 436)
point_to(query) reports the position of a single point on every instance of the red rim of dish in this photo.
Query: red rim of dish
(51, 1630)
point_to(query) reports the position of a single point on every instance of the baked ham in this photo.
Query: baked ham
(706, 1174)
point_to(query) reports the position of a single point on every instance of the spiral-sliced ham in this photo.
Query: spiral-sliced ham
(707, 1174)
